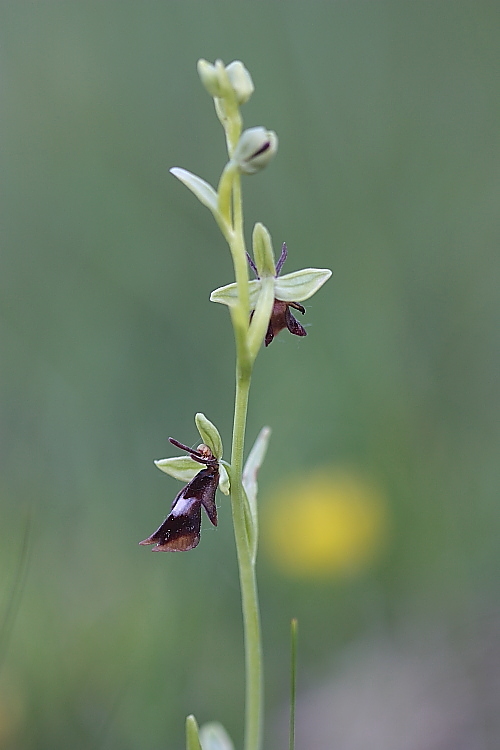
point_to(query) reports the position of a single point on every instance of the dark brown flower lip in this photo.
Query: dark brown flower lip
(180, 531)
(281, 318)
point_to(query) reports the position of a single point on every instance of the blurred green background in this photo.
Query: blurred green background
(388, 172)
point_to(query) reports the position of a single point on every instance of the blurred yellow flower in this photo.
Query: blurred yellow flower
(329, 523)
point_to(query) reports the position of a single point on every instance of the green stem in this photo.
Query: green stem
(250, 602)
(240, 316)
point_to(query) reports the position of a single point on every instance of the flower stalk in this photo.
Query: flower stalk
(259, 310)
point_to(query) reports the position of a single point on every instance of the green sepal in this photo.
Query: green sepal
(224, 481)
(228, 295)
(180, 467)
(213, 736)
(300, 285)
(252, 466)
(263, 251)
(209, 434)
(192, 734)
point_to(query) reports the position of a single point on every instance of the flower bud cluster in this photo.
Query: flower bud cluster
(222, 80)
(232, 85)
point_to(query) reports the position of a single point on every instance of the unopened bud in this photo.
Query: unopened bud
(209, 77)
(255, 149)
(241, 81)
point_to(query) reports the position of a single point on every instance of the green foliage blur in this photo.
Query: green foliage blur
(388, 172)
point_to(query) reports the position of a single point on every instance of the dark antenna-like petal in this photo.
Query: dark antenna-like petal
(282, 258)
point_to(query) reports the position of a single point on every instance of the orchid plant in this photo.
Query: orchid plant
(259, 310)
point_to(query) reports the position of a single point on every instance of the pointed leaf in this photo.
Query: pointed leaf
(228, 295)
(192, 735)
(203, 191)
(224, 483)
(252, 466)
(213, 736)
(209, 434)
(180, 467)
(300, 285)
(251, 528)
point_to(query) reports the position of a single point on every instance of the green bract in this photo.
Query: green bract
(252, 466)
(261, 315)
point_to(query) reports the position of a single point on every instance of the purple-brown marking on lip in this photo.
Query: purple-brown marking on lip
(180, 531)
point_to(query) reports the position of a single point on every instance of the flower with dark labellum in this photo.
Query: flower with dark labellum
(181, 529)
(281, 317)
(288, 291)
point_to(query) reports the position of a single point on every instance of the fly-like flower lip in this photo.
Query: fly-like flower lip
(180, 531)
(281, 318)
